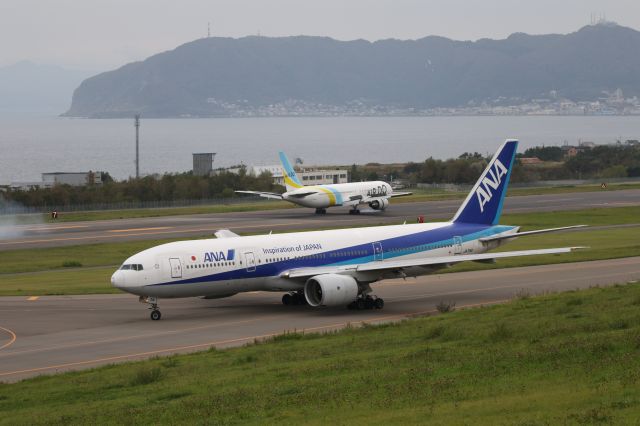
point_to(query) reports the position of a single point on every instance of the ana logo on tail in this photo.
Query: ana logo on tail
(491, 180)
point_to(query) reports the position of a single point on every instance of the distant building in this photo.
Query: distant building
(203, 163)
(49, 180)
(308, 177)
(72, 178)
(530, 160)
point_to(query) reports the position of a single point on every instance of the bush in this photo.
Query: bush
(146, 376)
(444, 307)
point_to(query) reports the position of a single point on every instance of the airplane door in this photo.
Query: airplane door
(377, 251)
(457, 245)
(250, 261)
(176, 267)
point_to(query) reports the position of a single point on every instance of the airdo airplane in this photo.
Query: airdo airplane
(334, 267)
(375, 194)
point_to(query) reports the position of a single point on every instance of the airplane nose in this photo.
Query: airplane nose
(118, 279)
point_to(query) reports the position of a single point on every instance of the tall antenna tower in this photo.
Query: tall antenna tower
(137, 126)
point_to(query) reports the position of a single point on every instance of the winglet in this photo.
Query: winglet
(291, 180)
(483, 205)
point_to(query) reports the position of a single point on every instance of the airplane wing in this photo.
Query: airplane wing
(271, 195)
(521, 234)
(302, 194)
(396, 265)
(400, 194)
(225, 233)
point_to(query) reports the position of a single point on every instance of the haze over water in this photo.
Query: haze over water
(31, 146)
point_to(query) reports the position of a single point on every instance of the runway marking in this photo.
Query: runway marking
(228, 341)
(140, 229)
(54, 228)
(32, 298)
(11, 340)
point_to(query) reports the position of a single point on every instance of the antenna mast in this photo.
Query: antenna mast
(137, 126)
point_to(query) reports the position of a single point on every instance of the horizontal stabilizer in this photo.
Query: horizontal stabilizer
(522, 234)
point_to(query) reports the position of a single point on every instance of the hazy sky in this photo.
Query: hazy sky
(104, 34)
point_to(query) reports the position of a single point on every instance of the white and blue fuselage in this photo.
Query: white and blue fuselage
(219, 267)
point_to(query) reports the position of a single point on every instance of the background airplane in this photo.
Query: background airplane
(334, 267)
(374, 193)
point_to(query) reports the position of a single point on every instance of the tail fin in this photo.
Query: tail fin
(291, 180)
(483, 205)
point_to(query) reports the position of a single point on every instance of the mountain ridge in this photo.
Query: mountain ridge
(217, 76)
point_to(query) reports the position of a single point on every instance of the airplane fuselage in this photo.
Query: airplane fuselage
(222, 267)
(341, 194)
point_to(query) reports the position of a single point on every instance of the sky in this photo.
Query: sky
(99, 35)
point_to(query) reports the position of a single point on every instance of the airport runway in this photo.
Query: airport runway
(192, 226)
(55, 333)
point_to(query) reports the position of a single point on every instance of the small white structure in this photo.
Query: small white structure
(72, 178)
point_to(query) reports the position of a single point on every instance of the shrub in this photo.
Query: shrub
(444, 307)
(146, 376)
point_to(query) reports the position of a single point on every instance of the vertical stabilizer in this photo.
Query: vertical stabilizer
(483, 205)
(291, 180)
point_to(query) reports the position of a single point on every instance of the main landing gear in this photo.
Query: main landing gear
(293, 299)
(321, 211)
(354, 211)
(366, 302)
(153, 305)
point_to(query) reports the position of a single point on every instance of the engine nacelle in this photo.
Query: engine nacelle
(330, 290)
(379, 204)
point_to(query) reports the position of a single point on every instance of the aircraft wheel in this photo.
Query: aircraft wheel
(155, 315)
(360, 304)
(379, 303)
(369, 303)
(287, 299)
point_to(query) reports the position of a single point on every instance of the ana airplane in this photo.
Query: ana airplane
(334, 267)
(374, 193)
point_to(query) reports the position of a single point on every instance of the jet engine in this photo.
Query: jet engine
(379, 204)
(330, 290)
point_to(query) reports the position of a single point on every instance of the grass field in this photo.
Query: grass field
(42, 272)
(570, 358)
(419, 195)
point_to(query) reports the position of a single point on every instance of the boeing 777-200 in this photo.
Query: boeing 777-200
(333, 267)
(374, 193)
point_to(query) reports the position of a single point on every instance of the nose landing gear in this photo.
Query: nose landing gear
(153, 305)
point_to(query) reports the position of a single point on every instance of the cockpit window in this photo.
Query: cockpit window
(135, 267)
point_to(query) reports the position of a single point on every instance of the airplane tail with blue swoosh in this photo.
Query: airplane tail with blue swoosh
(483, 205)
(291, 180)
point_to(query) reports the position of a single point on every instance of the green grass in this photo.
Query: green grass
(571, 358)
(42, 271)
